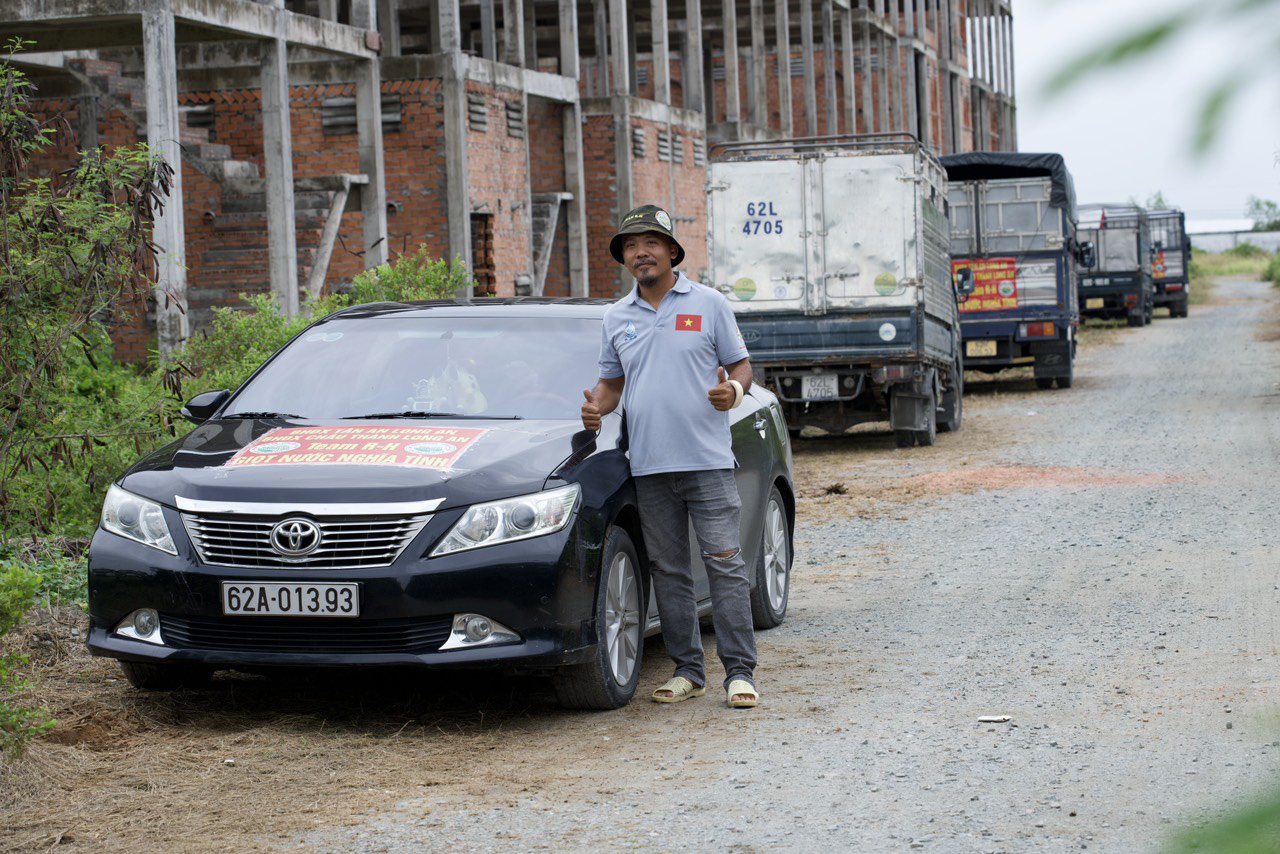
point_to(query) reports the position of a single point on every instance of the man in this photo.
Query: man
(671, 354)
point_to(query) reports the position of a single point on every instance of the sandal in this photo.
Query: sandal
(740, 689)
(680, 688)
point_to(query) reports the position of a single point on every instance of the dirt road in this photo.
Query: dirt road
(1098, 564)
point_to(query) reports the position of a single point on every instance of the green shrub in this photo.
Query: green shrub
(18, 586)
(1246, 250)
(1272, 273)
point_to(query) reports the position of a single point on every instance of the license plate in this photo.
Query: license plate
(274, 599)
(980, 348)
(1094, 303)
(819, 386)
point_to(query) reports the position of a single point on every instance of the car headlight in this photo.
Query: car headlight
(511, 519)
(137, 518)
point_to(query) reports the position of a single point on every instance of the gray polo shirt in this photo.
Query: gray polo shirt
(669, 358)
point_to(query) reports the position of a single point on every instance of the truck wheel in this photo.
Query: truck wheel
(1044, 382)
(1135, 319)
(929, 434)
(1179, 309)
(952, 401)
(1064, 381)
(904, 438)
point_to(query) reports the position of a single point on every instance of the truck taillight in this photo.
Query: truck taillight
(1130, 300)
(1037, 330)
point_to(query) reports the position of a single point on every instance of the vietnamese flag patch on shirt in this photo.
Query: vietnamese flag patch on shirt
(688, 323)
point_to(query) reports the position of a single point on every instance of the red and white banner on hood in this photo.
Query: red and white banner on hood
(414, 447)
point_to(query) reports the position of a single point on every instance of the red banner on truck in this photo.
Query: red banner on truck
(365, 445)
(995, 283)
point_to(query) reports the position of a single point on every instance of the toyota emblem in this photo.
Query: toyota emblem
(295, 537)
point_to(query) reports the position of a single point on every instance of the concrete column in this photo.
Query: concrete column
(732, 93)
(694, 82)
(277, 155)
(457, 197)
(389, 26)
(810, 82)
(373, 193)
(829, 67)
(530, 37)
(488, 31)
(759, 109)
(782, 36)
(910, 85)
(512, 32)
(868, 104)
(850, 75)
(1013, 109)
(891, 69)
(619, 40)
(169, 234)
(661, 51)
(600, 36)
(87, 115)
(329, 10)
(574, 168)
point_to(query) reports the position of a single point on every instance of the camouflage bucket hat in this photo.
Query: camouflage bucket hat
(642, 219)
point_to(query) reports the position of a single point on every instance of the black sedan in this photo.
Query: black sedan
(410, 484)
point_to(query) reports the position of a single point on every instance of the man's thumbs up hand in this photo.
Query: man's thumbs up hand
(590, 411)
(722, 395)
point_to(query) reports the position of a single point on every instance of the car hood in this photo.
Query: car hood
(460, 460)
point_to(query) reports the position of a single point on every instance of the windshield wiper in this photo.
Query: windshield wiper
(423, 414)
(262, 415)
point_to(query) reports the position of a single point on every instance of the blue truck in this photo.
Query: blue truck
(1118, 283)
(1170, 259)
(1013, 233)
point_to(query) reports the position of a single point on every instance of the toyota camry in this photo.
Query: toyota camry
(410, 484)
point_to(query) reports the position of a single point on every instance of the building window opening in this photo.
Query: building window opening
(482, 266)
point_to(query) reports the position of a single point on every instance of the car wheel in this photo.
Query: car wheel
(165, 677)
(609, 679)
(773, 567)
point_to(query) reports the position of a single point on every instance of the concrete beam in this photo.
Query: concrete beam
(169, 234)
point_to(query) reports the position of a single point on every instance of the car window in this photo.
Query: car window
(487, 366)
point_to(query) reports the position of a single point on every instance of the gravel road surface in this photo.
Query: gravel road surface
(1098, 564)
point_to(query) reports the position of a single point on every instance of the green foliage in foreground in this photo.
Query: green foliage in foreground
(1252, 829)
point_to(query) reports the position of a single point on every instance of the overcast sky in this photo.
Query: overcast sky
(1127, 133)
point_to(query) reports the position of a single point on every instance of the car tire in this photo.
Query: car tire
(608, 680)
(953, 401)
(773, 566)
(165, 677)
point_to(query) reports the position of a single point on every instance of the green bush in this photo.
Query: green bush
(1272, 273)
(18, 587)
(1246, 250)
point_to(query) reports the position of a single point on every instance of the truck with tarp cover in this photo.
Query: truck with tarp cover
(1013, 231)
(833, 253)
(1118, 284)
(1170, 259)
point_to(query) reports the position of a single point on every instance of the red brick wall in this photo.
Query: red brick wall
(546, 175)
(602, 205)
(498, 186)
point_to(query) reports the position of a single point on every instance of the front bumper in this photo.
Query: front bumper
(543, 589)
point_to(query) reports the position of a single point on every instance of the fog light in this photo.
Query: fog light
(478, 629)
(145, 622)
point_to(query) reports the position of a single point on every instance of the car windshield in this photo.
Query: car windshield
(403, 366)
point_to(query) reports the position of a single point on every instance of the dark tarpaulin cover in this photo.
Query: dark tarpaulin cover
(994, 165)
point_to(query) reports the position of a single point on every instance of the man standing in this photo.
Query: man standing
(664, 353)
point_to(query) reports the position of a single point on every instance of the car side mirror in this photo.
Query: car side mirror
(200, 408)
(1088, 256)
(964, 283)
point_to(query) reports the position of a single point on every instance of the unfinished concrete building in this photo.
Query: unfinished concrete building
(318, 137)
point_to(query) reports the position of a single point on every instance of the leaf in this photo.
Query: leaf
(1121, 50)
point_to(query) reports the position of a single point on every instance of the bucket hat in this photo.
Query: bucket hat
(642, 219)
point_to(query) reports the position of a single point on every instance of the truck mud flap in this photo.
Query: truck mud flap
(912, 404)
(1052, 360)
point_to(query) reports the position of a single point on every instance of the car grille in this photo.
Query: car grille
(267, 634)
(233, 539)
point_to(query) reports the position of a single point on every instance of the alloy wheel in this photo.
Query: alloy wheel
(622, 618)
(776, 554)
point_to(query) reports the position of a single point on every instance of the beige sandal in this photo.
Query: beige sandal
(741, 688)
(680, 688)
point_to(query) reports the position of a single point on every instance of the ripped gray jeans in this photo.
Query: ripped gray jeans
(710, 499)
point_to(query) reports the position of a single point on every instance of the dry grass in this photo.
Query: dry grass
(125, 768)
